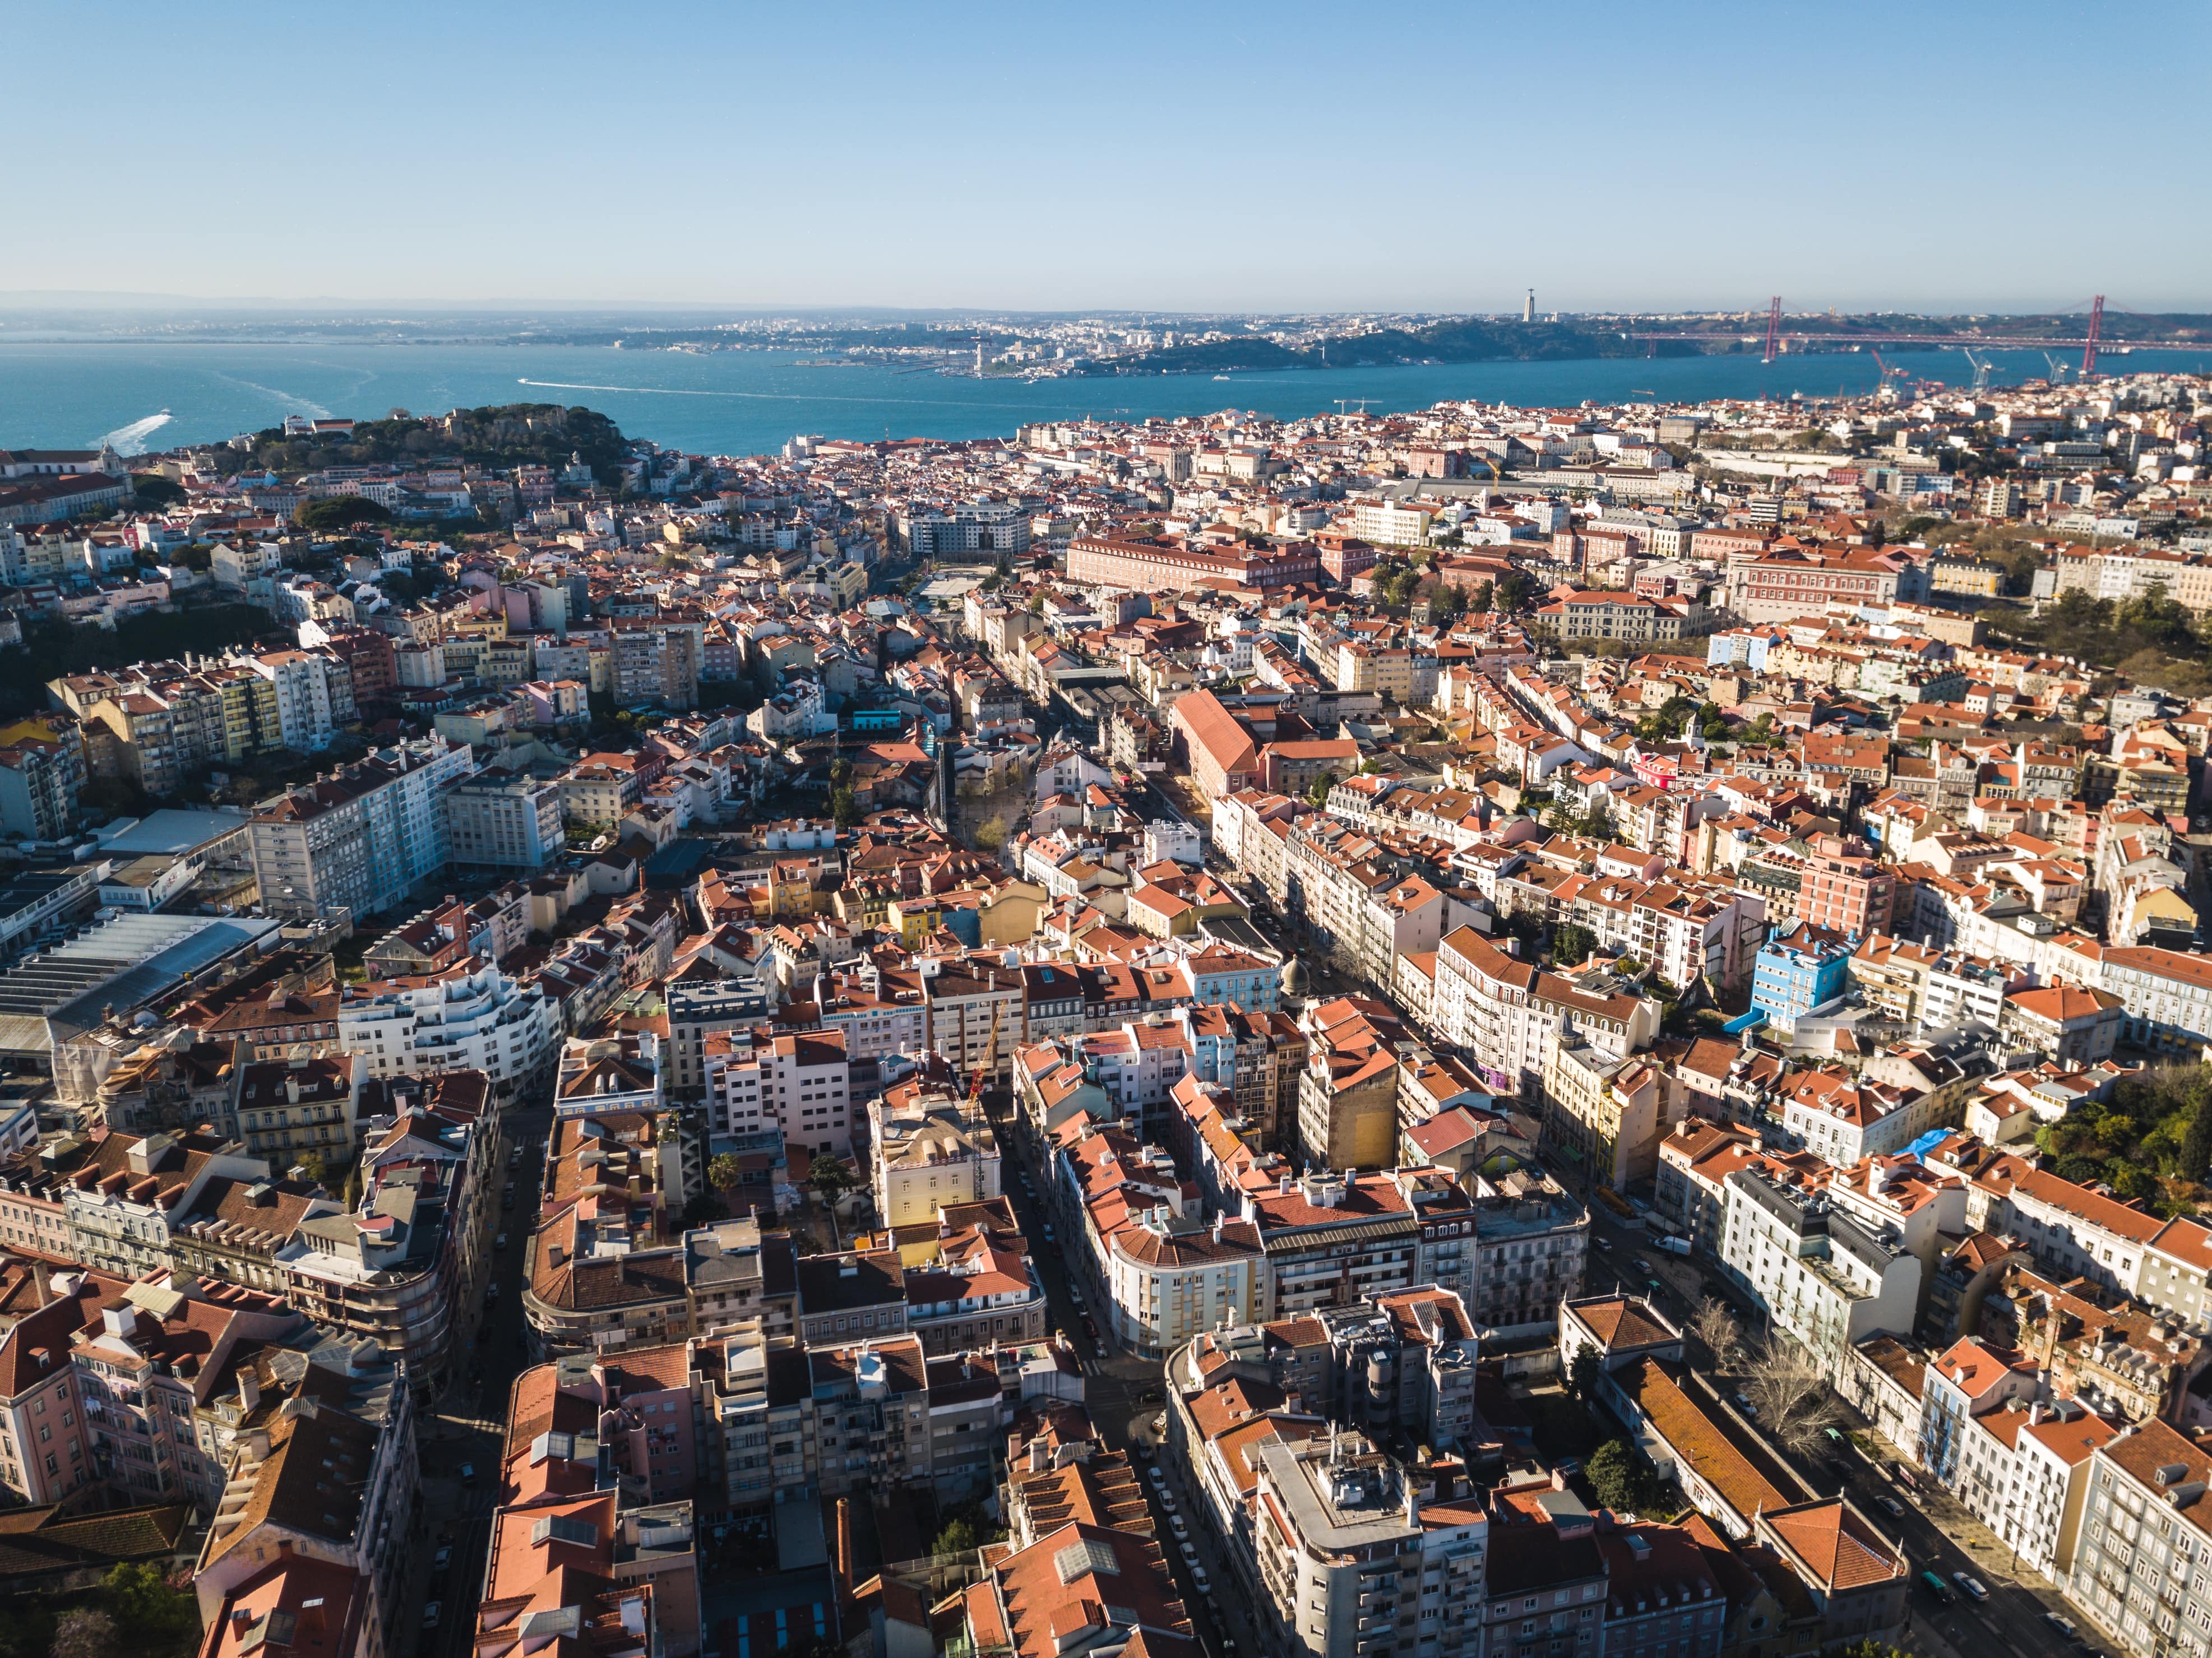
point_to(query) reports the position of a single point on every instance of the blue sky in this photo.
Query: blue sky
(1278, 157)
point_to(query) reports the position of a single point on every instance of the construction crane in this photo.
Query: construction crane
(1981, 368)
(2058, 368)
(2096, 327)
(1773, 329)
(989, 1062)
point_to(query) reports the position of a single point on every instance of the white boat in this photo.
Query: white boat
(1221, 377)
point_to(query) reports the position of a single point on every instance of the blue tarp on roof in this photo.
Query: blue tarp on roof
(1744, 1022)
(1927, 1142)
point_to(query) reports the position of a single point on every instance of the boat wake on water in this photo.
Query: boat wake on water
(131, 440)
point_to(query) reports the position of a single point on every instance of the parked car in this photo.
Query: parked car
(1090, 1328)
(1189, 1552)
(499, 1243)
(2063, 1624)
(1604, 1244)
(1175, 1525)
(1891, 1506)
(1075, 1295)
(491, 1294)
(1157, 1474)
(442, 1558)
(1971, 1584)
(1936, 1587)
(432, 1611)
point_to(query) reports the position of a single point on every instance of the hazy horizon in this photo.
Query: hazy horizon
(1252, 160)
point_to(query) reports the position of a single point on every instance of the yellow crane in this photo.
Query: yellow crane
(990, 1060)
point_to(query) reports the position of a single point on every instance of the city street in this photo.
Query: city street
(1123, 1393)
(467, 1424)
(1937, 1534)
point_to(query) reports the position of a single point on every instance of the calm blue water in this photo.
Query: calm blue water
(66, 395)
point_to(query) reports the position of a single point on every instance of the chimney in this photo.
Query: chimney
(249, 1388)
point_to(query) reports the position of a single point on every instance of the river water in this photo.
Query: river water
(143, 397)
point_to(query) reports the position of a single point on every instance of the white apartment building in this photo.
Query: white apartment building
(1351, 1562)
(1823, 1275)
(1390, 524)
(1842, 1118)
(962, 1005)
(1172, 1277)
(504, 823)
(359, 839)
(801, 1085)
(1683, 932)
(2145, 1537)
(471, 1015)
(2038, 1456)
(2073, 1232)
(1508, 1013)
(314, 697)
(2167, 995)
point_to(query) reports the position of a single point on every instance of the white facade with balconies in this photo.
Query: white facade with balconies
(472, 1016)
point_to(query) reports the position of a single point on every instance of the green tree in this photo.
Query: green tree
(2195, 1160)
(150, 1615)
(830, 1175)
(1571, 944)
(312, 1164)
(152, 492)
(2130, 1182)
(1624, 1482)
(957, 1537)
(1485, 592)
(2079, 1169)
(725, 1172)
(844, 809)
(1583, 1375)
(340, 512)
(1321, 784)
